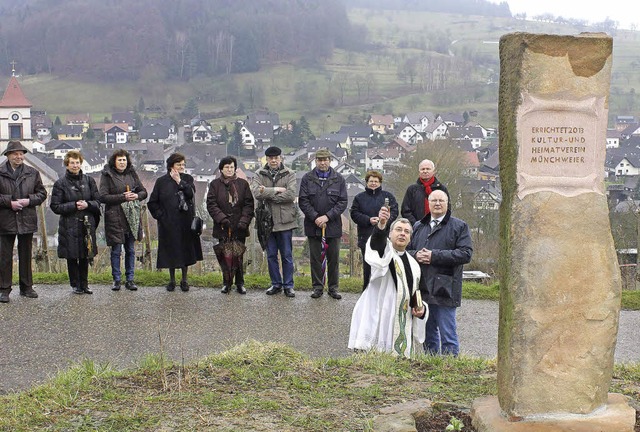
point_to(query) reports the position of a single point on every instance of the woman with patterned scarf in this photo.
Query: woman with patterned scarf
(230, 204)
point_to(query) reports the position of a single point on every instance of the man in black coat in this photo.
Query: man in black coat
(21, 191)
(442, 245)
(323, 199)
(415, 204)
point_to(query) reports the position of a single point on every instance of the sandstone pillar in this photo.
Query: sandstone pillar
(559, 276)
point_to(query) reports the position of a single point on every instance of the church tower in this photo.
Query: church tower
(15, 116)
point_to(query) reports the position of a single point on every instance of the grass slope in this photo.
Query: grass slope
(254, 386)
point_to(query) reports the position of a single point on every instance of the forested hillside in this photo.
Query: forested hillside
(470, 7)
(121, 39)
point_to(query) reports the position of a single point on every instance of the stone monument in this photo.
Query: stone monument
(559, 277)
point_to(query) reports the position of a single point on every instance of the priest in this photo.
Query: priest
(390, 315)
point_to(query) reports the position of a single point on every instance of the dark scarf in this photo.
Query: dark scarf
(427, 188)
(74, 177)
(322, 175)
(274, 172)
(15, 173)
(230, 184)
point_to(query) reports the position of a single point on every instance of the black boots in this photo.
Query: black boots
(227, 287)
(335, 294)
(131, 285)
(4, 295)
(289, 292)
(317, 293)
(82, 289)
(28, 292)
(116, 286)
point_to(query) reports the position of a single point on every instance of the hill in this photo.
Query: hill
(405, 61)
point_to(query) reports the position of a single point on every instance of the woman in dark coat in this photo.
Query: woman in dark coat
(230, 204)
(76, 199)
(364, 212)
(172, 204)
(120, 184)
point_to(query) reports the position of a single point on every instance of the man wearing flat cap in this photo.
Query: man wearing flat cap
(21, 191)
(274, 186)
(323, 199)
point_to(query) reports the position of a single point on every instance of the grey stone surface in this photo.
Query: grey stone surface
(44, 335)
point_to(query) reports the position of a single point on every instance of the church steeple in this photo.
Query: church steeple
(13, 96)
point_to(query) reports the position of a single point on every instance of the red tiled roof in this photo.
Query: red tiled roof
(13, 96)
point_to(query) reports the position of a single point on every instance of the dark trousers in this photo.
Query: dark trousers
(366, 271)
(25, 246)
(78, 272)
(333, 258)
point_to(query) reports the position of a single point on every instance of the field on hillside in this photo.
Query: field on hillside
(350, 85)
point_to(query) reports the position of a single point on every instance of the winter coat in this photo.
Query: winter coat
(413, 202)
(71, 227)
(238, 216)
(27, 185)
(317, 199)
(366, 205)
(282, 205)
(113, 185)
(177, 245)
(451, 248)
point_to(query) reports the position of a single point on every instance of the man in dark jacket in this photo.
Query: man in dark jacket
(323, 199)
(415, 204)
(21, 191)
(442, 245)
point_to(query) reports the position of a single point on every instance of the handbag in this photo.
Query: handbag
(196, 225)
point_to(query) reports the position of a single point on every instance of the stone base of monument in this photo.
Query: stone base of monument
(616, 416)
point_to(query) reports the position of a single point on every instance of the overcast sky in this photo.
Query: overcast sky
(623, 11)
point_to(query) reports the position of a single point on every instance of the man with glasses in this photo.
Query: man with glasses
(442, 245)
(415, 203)
(275, 186)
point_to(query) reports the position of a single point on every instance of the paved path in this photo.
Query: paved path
(41, 336)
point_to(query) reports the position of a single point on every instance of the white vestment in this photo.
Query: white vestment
(382, 318)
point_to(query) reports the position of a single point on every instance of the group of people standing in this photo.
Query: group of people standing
(413, 283)
(412, 278)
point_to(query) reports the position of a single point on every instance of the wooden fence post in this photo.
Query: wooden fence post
(146, 258)
(44, 244)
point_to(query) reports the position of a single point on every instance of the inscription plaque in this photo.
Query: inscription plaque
(559, 145)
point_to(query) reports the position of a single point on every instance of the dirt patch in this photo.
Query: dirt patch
(441, 419)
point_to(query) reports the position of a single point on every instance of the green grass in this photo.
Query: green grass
(254, 386)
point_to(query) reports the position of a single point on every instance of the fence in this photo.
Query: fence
(46, 260)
